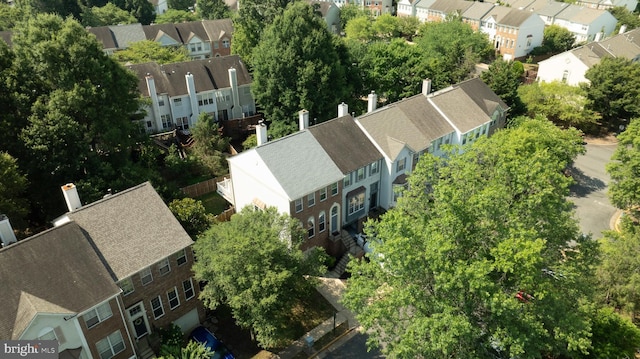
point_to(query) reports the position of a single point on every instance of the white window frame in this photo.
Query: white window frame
(49, 335)
(311, 199)
(185, 289)
(323, 194)
(347, 181)
(402, 164)
(334, 189)
(101, 313)
(164, 267)
(322, 222)
(127, 286)
(174, 290)
(361, 174)
(182, 256)
(373, 168)
(311, 227)
(154, 308)
(111, 340)
(298, 205)
(356, 203)
(144, 274)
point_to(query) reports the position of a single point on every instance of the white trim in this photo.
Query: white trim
(174, 290)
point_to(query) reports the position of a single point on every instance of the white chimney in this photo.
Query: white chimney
(71, 196)
(235, 96)
(343, 109)
(623, 29)
(193, 98)
(372, 101)
(6, 232)
(261, 133)
(304, 119)
(426, 87)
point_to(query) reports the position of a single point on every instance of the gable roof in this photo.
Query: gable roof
(345, 143)
(105, 36)
(497, 13)
(552, 9)
(581, 15)
(155, 31)
(477, 10)
(209, 74)
(188, 30)
(126, 34)
(516, 17)
(449, 6)
(56, 271)
(131, 230)
(217, 29)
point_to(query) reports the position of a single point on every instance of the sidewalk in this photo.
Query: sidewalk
(331, 289)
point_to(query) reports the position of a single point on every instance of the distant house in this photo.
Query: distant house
(159, 6)
(513, 32)
(330, 13)
(475, 13)
(571, 66)
(440, 9)
(105, 277)
(333, 175)
(586, 24)
(117, 37)
(179, 92)
(608, 4)
(406, 8)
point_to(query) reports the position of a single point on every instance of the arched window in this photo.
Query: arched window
(311, 227)
(322, 222)
(335, 218)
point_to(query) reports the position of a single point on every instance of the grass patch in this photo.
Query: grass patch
(213, 203)
(309, 313)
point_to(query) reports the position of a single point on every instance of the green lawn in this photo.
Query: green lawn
(213, 203)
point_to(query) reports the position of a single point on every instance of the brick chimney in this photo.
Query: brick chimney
(71, 196)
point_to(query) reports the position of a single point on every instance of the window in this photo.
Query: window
(311, 200)
(146, 276)
(160, 102)
(97, 315)
(225, 43)
(126, 285)
(166, 121)
(48, 335)
(402, 164)
(323, 194)
(356, 203)
(156, 306)
(298, 205)
(347, 181)
(177, 102)
(206, 99)
(311, 227)
(182, 257)
(334, 189)
(360, 174)
(164, 267)
(322, 222)
(149, 124)
(111, 345)
(216, 45)
(174, 301)
(565, 75)
(373, 168)
(187, 286)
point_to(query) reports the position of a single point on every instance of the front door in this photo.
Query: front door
(138, 320)
(334, 219)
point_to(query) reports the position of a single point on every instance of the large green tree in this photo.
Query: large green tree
(151, 51)
(481, 258)
(253, 264)
(253, 17)
(213, 9)
(625, 17)
(209, 145)
(181, 4)
(563, 104)
(192, 215)
(614, 89)
(109, 14)
(296, 66)
(557, 38)
(624, 169)
(140, 9)
(174, 16)
(13, 185)
(504, 78)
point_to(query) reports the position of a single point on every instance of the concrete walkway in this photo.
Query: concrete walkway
(331, 289)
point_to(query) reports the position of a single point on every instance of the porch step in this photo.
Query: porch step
(147, 353)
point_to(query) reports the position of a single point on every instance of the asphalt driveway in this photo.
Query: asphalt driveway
(592, 206)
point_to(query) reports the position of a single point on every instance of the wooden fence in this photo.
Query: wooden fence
(202, 188)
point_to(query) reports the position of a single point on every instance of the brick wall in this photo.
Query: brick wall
(105, 328)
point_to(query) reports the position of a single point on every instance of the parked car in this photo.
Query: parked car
(204, 336)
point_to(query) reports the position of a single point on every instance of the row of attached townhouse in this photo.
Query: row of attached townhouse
(518, 27)
(376, 7)
(332, 175)
(571, 66)
(179, 92)
(105, 277)
(202, 39)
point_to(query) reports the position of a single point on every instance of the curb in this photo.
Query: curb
(331, 343)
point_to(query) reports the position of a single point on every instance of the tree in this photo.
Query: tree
(213, 9)
(351, 11)
(625, 17)
(192, 215)
(250, 21)
(613, 336)
(408, 26)
(209, 145)
(451, 49)
(296, 66)
(624, 169)
(151, 51)
(557, 38)
(504, 78)
(109, 14)
(563, 104)
(614, 89)
(173, 16)
(386, 26)
(140, 9)
(184, 5)
(13, 185)
(193, 350)
(481, 257)
(9, 16)
(360, 28)
(263, 290)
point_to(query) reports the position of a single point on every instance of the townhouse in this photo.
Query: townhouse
(570, 66)
(103, 279)
(179, 92)
(202, 39)
(586, 24)
(376, 7)
(513, 32)
(333, 175)
(630, 5)
(440, 9)
(330, 13)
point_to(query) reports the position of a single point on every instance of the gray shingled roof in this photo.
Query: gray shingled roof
(56, 271)
(477, 10)
(131, 230)
(299, 163)
(482, 95)
(209, 74)
(515, 18)
(345, 143)
(460, 109)
(498, 12)
(104, 36)
(217, 28)
(583, 15)
(126, 34)
(152, 32)
(552, 9)
(449, 6)
(413, 122)
(188, 30)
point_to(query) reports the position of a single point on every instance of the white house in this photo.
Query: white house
(608, 4)
(586, 24)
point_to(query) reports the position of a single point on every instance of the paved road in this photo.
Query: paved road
(593, 209)
(353, 348)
